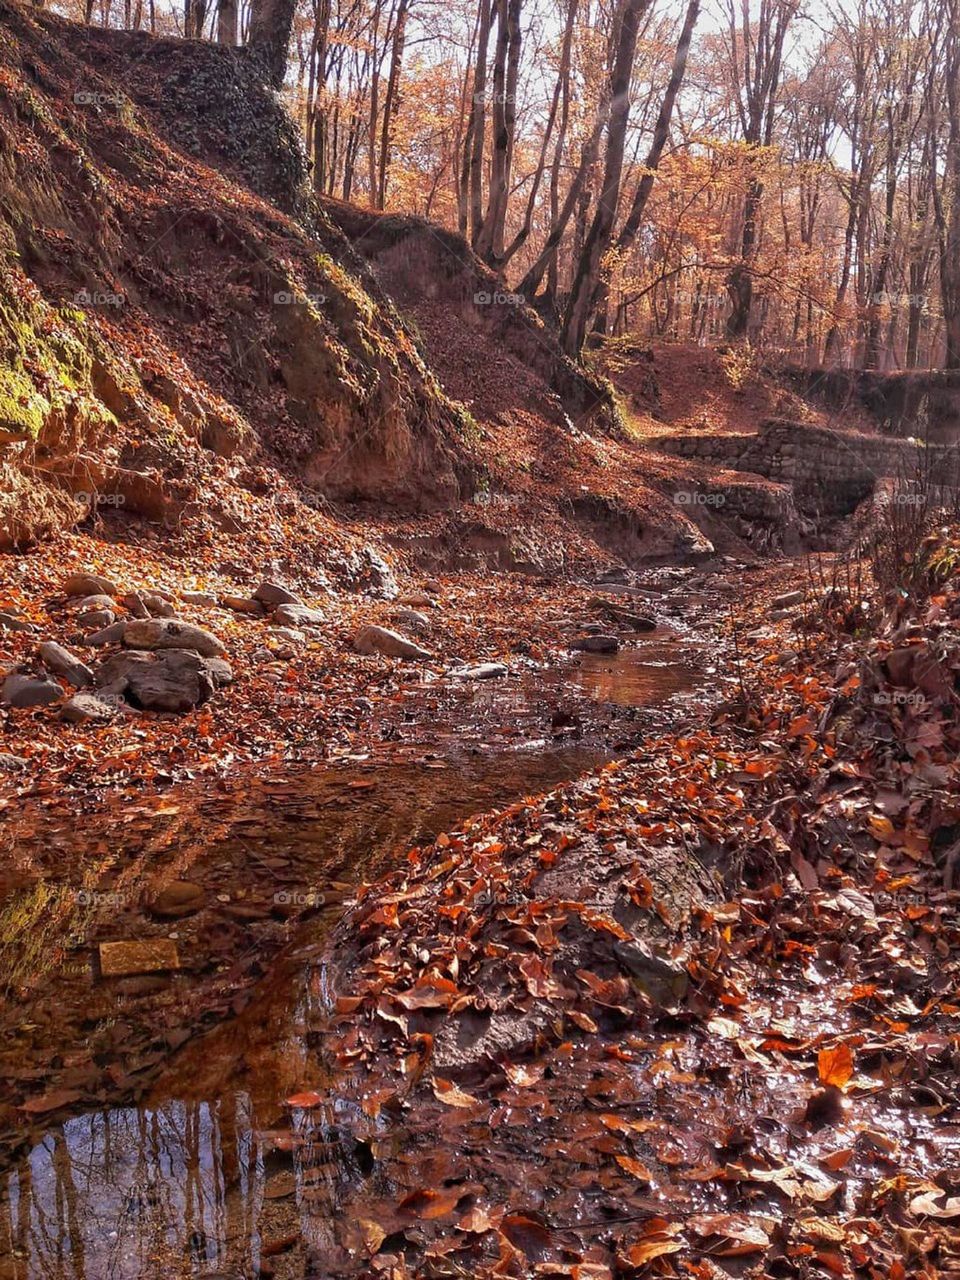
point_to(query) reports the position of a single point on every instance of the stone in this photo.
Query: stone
(87, 584)
(134, 603)
(788, 600)
(262, 655)
(290, 634)
(157, 605)
(151, 956)
(596, 644)
(83, 708)
(9, 623)
(221, 671)
(665, 982)
(29, 691)
(418, 600)
(374, 639)
(203, 598)
(377, 576)
(99, 601)
(243, 604)
(168, 680)
(113, 634)
(177, 899)
(171, 633)
(298, 615)
(96, 619)
(62, 663)
(271, 594)
(482, 671)
(11, 763)
(411, 618)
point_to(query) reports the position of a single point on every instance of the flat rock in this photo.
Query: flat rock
(171, 633)
(113, 634)
(272, 594)
(10, 623)
(87, 584)
(96, 619)
(243, 604)
(97, 601)
(787, 600)
(412, 618)
(298, 615)
(481, 671)
(62, 663)
(374, 639)
(290, 634)
(84, 708)
(205, 598)
(10, 763)
(29, 691)
(596, 644)
(177, 899)
(153, 956)
(168, 680)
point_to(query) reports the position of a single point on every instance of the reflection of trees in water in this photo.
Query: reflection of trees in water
(138, 1194)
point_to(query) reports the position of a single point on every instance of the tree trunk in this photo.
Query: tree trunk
(597, 242)
(227, 22)
(271, 24)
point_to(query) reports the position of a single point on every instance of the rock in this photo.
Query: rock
(263, 655)
(11, 763)
(298, 615)
(99, 601)
(271, 594)
(221, 671)
(9, 623)
(377, 576)
(482, 671)
(178, 899)
(87, 584)
(204, 598)
(290, 634)
(411, 618)
(113, 634)
(153, 956)
(29, 691)
(168, 680)
(374, 639)
(596, 644)
(62, 663)
(134, 603)
(788, 600)
(85, 707)
(148, 604)
(243, 604)
(96, 619)
(171, 633)
(418, 600)
(664, 981)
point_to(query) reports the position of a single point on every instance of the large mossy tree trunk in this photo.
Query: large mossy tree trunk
(271, 24)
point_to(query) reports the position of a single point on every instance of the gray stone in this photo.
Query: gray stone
(298, 615)
(96, 619)
(99, 601)
(243, 604)
(62, 663)
(9, 623)
(290, 634)
(134, 603)
(596, 644)
(665, 982)
(86, 584)
(203, 598)
(221, 671)
(374, 639)
(11, 763)
(481, 671)
(85, 707)
(148, 604)
(411, 618)
(28, 691)
(167, 680)
(109, 635)
(271, 594)
(171, 633)
(791, 598)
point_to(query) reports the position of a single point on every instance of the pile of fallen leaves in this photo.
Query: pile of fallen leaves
(696, 1015)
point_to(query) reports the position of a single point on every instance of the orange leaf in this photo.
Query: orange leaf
(835, 1065)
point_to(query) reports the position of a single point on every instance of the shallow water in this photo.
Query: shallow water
(206, 1178)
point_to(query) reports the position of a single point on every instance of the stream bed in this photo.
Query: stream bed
(202, 1175)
